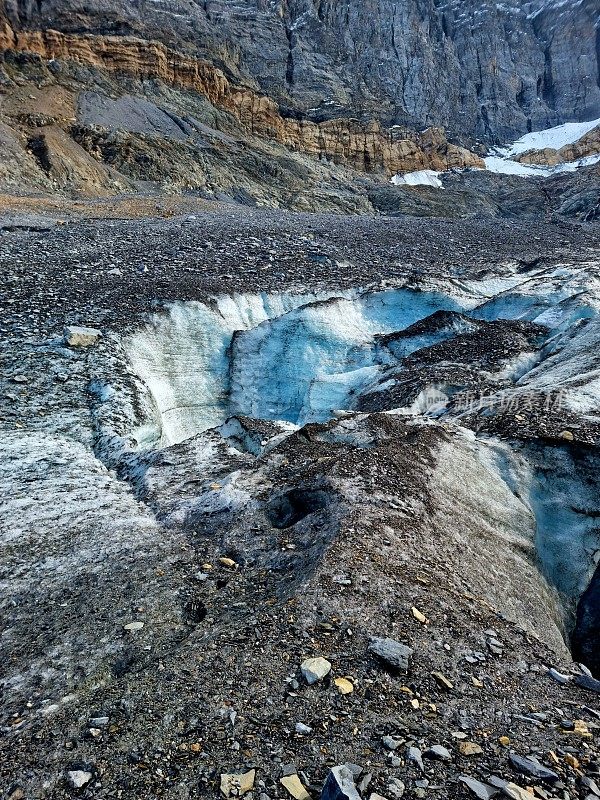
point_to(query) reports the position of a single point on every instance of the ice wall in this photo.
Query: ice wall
(295, 358)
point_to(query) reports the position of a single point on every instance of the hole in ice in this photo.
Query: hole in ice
(288, 509)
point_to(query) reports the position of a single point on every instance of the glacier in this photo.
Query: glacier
(293, 359)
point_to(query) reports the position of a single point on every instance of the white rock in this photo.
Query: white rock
(133, 626)
(302, 729)
(315, 669)
(78, 778)
(76, 336)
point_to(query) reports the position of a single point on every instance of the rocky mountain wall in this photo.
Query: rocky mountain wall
(476, 67)
(365, 146)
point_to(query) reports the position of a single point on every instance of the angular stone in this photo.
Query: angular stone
(237, 785)
(391, 743)
(442, 681)
(294, 786)
(340, 785)
(531, 766)
(414, 754)
(76, 336)
(78, 778)
(302, 729)
(393, 653)
(315, 669)
(438, 753)
(481, 790)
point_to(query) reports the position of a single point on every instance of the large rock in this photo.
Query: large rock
(340, 785)
(393, 653)
(77, 336)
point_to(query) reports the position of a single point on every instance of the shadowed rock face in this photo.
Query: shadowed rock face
(478, 68)
(586, 637)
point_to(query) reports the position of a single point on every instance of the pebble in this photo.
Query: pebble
(414, 754)
(419, 616)
(78, 778)
(233, 785)
(469, 748)
(302, 729)
(391, 743)
(393, 653)
(344, 686)
(99, 722)
(133, 626)
(294, 786)
(396, 788)
(442, 681)
(481, 790)
(315, 669)
(438, 753)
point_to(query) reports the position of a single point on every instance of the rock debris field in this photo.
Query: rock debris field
(299, 507)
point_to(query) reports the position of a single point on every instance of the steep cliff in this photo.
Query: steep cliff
(476, 67)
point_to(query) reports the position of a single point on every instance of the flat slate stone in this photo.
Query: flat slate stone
(393, 653)
(531, 766)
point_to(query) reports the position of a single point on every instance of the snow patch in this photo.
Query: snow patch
(423, 177)
(554, 138)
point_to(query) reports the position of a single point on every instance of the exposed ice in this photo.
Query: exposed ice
(293, 358)
(554, 138)
(502, 159)
(422, 177)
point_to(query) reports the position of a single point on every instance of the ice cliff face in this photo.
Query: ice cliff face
(483, 355)
(482, 68)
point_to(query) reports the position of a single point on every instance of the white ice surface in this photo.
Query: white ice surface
(423, 177)
(501, 160)
(554, 138)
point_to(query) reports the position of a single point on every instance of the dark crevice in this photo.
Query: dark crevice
(288, 509)
(585, 642)
(598, 55)
(39, 150)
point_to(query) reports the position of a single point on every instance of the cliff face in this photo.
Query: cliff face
(476, 67)
(364, 146)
